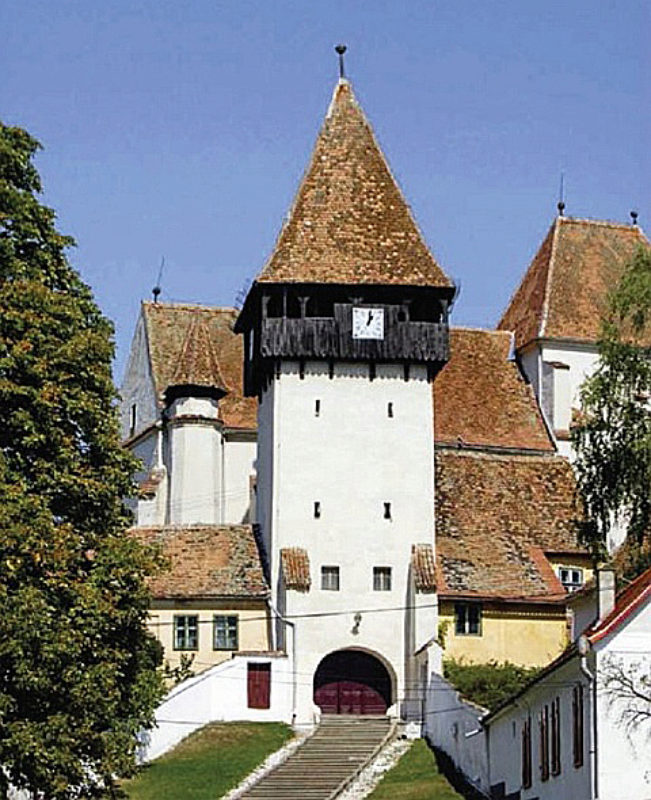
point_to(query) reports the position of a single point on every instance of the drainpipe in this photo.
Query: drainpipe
(292, 625)
(584, 648)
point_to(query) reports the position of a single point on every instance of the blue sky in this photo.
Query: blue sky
(181, 129)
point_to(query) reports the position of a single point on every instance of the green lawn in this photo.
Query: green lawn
(415, 777)
(208, 763)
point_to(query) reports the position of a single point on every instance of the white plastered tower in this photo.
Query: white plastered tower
(345, 329)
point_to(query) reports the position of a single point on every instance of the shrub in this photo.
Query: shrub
(487, 684)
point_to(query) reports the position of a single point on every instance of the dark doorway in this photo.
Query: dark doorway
(352, 682)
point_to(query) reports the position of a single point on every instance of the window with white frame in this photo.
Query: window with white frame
(225, 633)
(330, 579)
(186, 632)
(571, 578)
(467, 619)
(381, 579)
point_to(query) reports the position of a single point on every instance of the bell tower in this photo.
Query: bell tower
(345, 328)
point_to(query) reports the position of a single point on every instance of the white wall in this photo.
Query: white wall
(454, 726)
(138, 385)
(217, 695)
(351, 458)
(238, 467)
(624, 750)
(505, 739)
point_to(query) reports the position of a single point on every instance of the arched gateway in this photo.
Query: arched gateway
(352, 682)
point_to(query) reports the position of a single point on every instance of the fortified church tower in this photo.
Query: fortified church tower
(345, 328)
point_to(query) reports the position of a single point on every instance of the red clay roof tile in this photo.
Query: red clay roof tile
(563, 293)
(168, 326)
(295, 566)
(481, 399)
(349, 222)
(423, 567)
(206, 561)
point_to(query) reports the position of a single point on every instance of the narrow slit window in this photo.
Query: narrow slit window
(317, 408)
(387, 511)
(389, 409)
(317, 509)
(133, 419)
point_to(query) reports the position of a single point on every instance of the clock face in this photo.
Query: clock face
(368, 323)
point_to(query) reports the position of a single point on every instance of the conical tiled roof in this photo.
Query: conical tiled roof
(198, 364)
(350, 223)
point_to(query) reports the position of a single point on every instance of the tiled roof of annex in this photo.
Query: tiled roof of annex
(481, 398)
(177, 331)
(295, 566)
(206, 561)
(496, 516)
(423, 566)
(349, 223)
(563, 293)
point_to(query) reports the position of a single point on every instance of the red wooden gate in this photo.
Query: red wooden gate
(352, 682)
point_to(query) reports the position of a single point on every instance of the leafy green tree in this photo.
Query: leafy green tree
(612, 436)
(78, 674)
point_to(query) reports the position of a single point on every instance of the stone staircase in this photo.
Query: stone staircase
(324, 765)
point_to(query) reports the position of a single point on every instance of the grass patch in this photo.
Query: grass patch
(209, 763)
(415, 777)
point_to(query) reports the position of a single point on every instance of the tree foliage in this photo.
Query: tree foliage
(77, 668)
(487, 684)
(612, 437)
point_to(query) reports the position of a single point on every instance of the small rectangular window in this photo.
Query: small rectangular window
(571, 578)
(330, 579)
(389, 409)
(317, 509)
(526, 753)
(556, 736)
(381, 579)
(467, 619)
(225, 633)
(387, 511)
(186, 632)
(544, 743)
(317, 408)
(577, 725)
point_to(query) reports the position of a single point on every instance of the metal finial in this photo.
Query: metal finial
(156, 292)
(634, 217)
(341, 49)
(561, 197)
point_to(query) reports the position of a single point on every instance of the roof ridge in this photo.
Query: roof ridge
(605, 223)
(186, 306)
(474, 329)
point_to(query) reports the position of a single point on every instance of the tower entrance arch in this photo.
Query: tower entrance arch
(352, 682)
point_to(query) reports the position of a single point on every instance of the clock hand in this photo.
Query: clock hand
(370, 317)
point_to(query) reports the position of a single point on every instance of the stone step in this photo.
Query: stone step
(335, 752)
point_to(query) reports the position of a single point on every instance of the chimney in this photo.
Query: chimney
(605, 580)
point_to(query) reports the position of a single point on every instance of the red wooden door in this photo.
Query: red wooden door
(349, 697)
(258, 685)
(352, 682)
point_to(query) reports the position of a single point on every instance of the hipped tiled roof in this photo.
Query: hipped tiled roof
(481, 399)
(198, 364)
(169, 328)
(349, 222)
(206, 561)
(496, 515)
(423, 567)
(295, 566)
(563, 293)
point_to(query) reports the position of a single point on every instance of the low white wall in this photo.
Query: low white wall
(217, 695)
(454, 726)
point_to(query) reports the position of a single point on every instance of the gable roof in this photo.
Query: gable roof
(481, 398)
(206, 561)
(496, 516)
(563, 293)
(635, 595)
(174, 333)
(349, 223)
